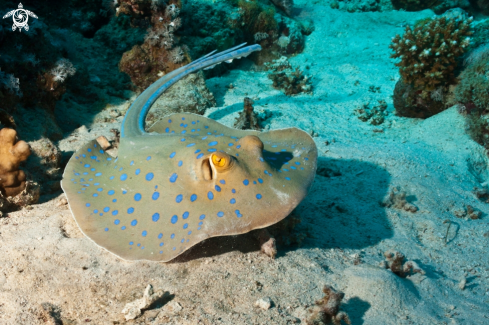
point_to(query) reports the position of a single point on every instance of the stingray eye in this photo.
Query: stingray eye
(219, 161)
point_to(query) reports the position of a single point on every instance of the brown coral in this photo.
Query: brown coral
(327, 309)
(395, 262)
(12, 153)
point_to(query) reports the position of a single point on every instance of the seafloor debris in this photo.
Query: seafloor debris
(468, 212)
(12, 153)
(397, 200)
(375, 115)
(247, 119)
(267, 243)
(134, 309)
(394, 262)
(482, 193)
(327, 309)
(289, 79)
(264, 303)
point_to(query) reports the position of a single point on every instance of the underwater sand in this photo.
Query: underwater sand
(46, 259)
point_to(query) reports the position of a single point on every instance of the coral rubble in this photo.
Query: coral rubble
(327, 309)
(291, 80)
(395, 262)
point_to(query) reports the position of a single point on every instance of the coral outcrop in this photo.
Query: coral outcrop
(327, 309)
(12, 153)
(428, 57)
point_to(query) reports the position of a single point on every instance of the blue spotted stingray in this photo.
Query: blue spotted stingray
(185, 179)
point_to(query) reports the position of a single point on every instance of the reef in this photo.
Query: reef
(428, 57)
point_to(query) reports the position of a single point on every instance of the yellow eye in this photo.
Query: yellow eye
(218, 161)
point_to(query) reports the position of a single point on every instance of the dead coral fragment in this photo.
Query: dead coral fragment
(375, 115)
(327, 309)
(397, 200)
(394, 262)
(12, 153)
(247, 119)
(288, 79)
(134, 309)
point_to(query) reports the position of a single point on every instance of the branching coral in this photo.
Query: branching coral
(395, 262)
(428, 57)
(327, 309)
(12, 153)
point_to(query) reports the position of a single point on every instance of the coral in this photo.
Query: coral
(469, 211)
(62, 69)
(9, 82)
(133, 309)
(247, 119)
(428, 57)
(327, 309)
(395, 262)
(374, 115)
(12, 153)
(288, 79)
(397, 200)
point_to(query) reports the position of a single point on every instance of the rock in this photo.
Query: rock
(264, 303)
(134, 309)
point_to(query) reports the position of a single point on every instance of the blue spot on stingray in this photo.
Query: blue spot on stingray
(193, 130)
(131, 163)
(148, 158)
(95, 195)
(174, 219)
(93, 169)
(258, 196)
(134, 222)
(212, 150)
(193, 197)
(98, 174)
(266, 172)
(180, 163)
(210, 195)
(130, 210)
(95, 211)
(260, 180)
(246, 182)
(238, 214)
(155, 217)
(173, 177)
(86, 166)
(100, 189)
(131, 243)
(200, 155)
(123, 177)
(206, 127)
(190, 144)
(287, 178)
(85, 173)
(169, 121)
(183, 139)
(155, 195)
(222, 181)
(115, 212)
(111, 192)
(202, 217)
(173, 154)
(233, 190)
(137, 197)
(220, 214)
(213, 143)
(200, 224)
(218, 188)
(106, 229)
(297, 163)
(114, 200)
(111, 177)
(182, 240)
(254, 182)
(106, 209)
(185, 215)
(306, 158)
(167, 130)
(124, 191)
(116, 222)
(84, 156)
(292, 167)
(274, 146)
(159, 237)
(238, 146)
(89, 150)
(197, 151)
(231, 144)
(144, 233)
(232, 201)
(137, 171)
(185, 226)
(189, 232)
(286, 170)
(261, 159)
(179, 198)
(172, 236)
(184, 131)
(77, 174)
(149, 176)
(203, 138)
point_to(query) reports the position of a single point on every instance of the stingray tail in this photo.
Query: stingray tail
(133, 123)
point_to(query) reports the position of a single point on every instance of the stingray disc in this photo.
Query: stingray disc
(190, 179)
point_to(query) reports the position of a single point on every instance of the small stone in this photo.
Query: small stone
(103, 142)
(134, 309)
(462, 283)
(264, 303)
